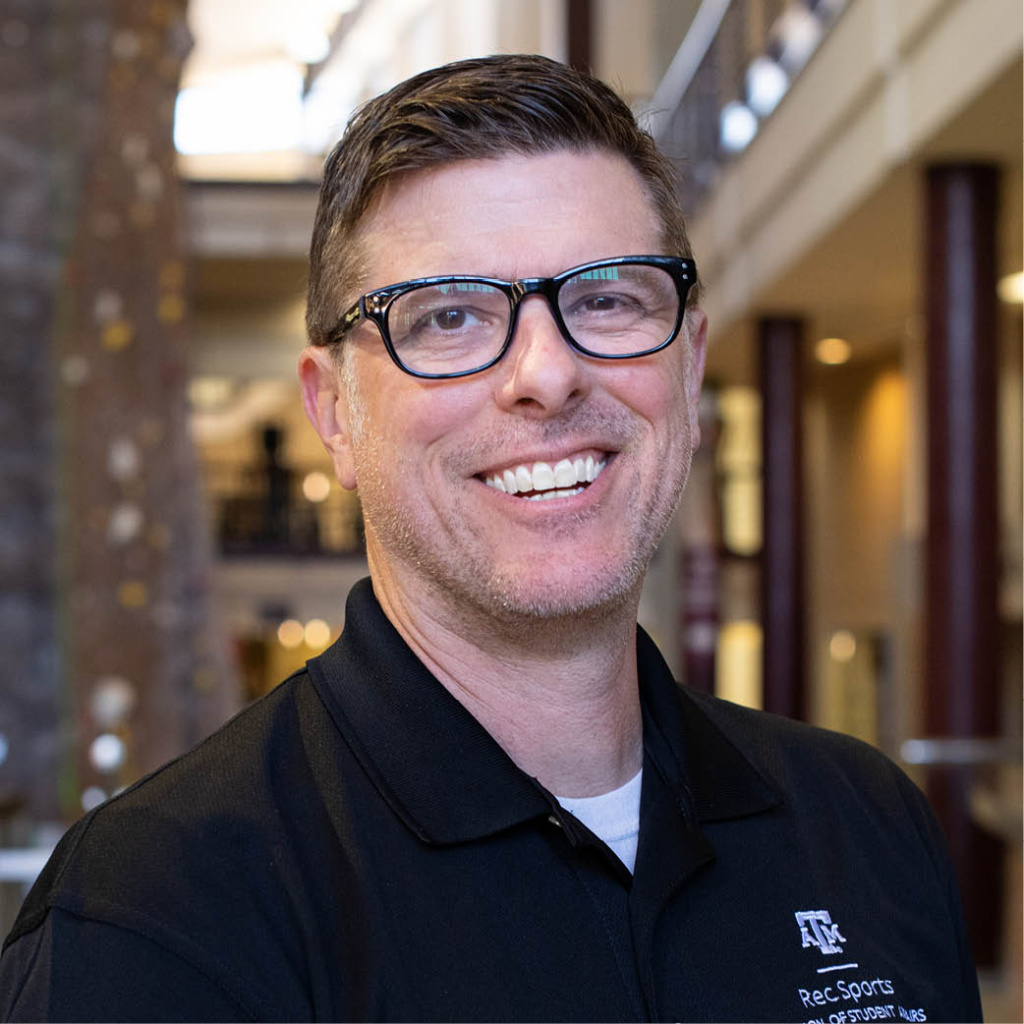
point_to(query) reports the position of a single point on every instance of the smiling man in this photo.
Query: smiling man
(511, 510)
(489, 800)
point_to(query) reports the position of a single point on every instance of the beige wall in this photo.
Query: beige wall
(856, 436)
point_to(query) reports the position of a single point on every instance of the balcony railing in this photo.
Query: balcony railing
(281, 511)
(737, 62)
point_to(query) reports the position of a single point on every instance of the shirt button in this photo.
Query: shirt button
(554, 820)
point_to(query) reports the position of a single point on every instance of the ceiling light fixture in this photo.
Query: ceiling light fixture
(316, 486)
(1011, 289)
(308, 44)
(799, 33)
(766, 85)
(291, 633)
(738, 126)
(832, 351)
(257, 109)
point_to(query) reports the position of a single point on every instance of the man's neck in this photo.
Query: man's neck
(560, 698)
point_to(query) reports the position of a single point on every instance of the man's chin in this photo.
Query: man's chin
(577, 594)
(520, 596)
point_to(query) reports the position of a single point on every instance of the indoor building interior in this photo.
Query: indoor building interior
(849, 547)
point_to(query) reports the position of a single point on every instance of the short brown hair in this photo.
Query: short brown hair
(482, 108)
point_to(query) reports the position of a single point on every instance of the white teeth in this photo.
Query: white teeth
(564, 474)
(546, 495)
(543, 477)
(560, 482)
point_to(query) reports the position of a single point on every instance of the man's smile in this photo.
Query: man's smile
(539, 481)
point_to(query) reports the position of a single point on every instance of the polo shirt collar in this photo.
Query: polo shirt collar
(449, 780)
(435, 765)
(712, 777)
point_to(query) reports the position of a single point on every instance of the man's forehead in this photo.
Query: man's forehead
(513, 215)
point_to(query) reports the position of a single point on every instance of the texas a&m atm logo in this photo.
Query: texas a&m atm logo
(817, 929)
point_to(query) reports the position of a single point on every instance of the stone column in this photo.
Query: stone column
(106, 564)
(30, 691)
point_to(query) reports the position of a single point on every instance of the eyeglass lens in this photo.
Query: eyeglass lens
(451, 327)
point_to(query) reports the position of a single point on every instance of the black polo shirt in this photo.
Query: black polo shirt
(356, 846)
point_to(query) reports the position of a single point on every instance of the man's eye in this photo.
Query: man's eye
(606, 304)
(449, 319)
(445, 320)
(602, 303)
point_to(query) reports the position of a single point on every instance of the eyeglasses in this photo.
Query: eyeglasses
(438, 327)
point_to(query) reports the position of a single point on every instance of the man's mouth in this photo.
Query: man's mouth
(540, 481)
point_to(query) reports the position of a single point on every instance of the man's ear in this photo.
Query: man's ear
(326, 405)
(697, 342)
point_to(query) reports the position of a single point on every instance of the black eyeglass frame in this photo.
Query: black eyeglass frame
(375, 305)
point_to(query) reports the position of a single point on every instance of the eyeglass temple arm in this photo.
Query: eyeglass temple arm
(348, 320)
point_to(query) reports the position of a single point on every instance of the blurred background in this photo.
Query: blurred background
(849, 550)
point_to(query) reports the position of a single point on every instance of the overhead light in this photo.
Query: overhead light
(766, 85)
(107, 752)
(317, 634)
(738, 126)
(207, 393)
(252, 110)
(92, 797)
(291, 633)
(308, 44)
(799, 33)
(316, 486)
(842, 646)
(832, 351)
(1011, 289)
(112, 701)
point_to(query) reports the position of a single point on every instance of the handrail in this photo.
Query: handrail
(941, 751)
(680, 72)
(23, 865)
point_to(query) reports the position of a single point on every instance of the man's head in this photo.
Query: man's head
(486, 170)
(484, 108)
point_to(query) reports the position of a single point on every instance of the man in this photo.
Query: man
(489, 800)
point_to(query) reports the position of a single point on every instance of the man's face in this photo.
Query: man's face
(421, 451)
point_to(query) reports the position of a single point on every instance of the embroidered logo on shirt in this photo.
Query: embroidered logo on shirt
(817, 929)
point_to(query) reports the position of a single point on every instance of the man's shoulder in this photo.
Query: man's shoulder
(139, 854)
(820, 771)
(225, 775)
(771, 736)
(206, 859)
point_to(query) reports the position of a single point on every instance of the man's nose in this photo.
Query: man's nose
(542, 374)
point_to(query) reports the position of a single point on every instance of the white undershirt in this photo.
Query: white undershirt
(614, 817)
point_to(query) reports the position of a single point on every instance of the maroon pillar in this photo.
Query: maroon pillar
(700, 520)
(962, 636)
(782, 560)
(578, 32)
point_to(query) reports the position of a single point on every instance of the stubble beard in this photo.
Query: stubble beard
(475, 593)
